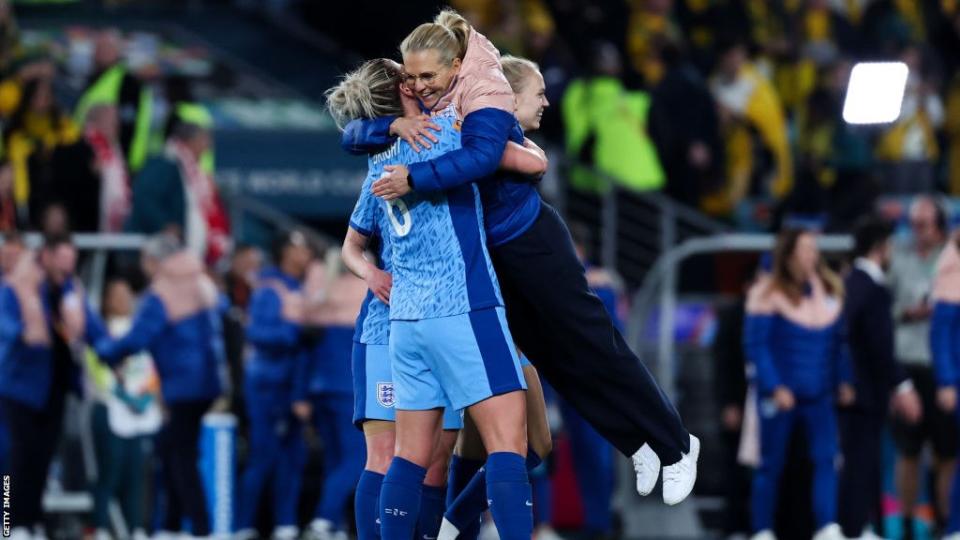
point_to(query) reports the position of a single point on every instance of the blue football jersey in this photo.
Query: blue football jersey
(441, 266)
(373, 323)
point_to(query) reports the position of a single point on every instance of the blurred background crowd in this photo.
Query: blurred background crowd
(669, 120)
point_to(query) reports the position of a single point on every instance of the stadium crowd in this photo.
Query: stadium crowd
(718, 101)
(712, 102)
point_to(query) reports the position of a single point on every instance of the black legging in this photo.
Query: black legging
(34, 435)
(179, 449)
(568, 335)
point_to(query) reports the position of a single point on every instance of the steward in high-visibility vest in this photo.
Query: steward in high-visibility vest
(606, 128)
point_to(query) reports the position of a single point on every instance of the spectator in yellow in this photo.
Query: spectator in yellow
(36, 130)
(606, 129)
(952, 128)
(909, 146)
(649, 22)
(749, 106)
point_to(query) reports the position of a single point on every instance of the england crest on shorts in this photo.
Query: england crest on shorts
(385, 395)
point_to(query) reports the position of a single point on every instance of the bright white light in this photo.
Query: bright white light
(875, 92)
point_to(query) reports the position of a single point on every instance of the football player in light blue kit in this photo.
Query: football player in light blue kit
(449, 341)
(374, 411)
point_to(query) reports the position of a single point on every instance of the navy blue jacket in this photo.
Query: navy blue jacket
(26, 371)
(511, 202)
(188, 353)
(869, 319)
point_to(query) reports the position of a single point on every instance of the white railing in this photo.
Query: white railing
(659, 292)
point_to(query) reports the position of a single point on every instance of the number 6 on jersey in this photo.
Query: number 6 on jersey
(401, 224)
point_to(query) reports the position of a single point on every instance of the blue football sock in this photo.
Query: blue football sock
(462, 472)
(472, 501)
(431, 512)
(367, 505)
(400, 499)
(509, 494)
(533, 460)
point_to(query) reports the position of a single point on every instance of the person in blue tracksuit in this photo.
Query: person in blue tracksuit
(794, 343)
(274, 390)
(330, 390)
(42, 315)
(10, 253)
(592, 454)
(945, 350)
(557, 322)
(178, 323)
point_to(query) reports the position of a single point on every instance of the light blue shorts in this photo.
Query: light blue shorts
(374, 397)
(461, 360)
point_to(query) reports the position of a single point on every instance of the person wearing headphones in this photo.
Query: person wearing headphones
(911, 276)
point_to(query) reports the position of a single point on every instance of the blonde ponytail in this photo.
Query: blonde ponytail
(370, 91)
(458, 26)
(448, 34)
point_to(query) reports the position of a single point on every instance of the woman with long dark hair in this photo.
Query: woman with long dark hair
(795, 352)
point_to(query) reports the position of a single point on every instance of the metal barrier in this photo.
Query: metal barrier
(660, 290)
(635, 228)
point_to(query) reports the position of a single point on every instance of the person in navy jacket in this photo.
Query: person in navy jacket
(793, 339)
(43, 315)
(868, 314)
(178, 323)
(274, 390)
(554, 317)
(945, 349)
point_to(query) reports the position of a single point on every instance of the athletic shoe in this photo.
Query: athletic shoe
(246, 534)
(830, 532)
(320, 529)
(21, 533)
(546, 532)
(286, 532)
(765, 534)
(448, 531)
(488, 531)
(647, 465)
(868, 534)
(954, 536)
(679, 478)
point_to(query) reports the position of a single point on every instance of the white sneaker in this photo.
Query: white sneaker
(831, 531)
(679, 478)
(546, 532)
(140, 534)
(647, 465)
(765, 534)
(868, 534)
(320, 529)
(39, 533)
(448, 531)
(953, 536)
(102, 534)
(20, 533)
(286, 532)
(245, 534)
(488, 531)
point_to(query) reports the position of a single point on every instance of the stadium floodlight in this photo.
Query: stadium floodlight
(875, 92)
